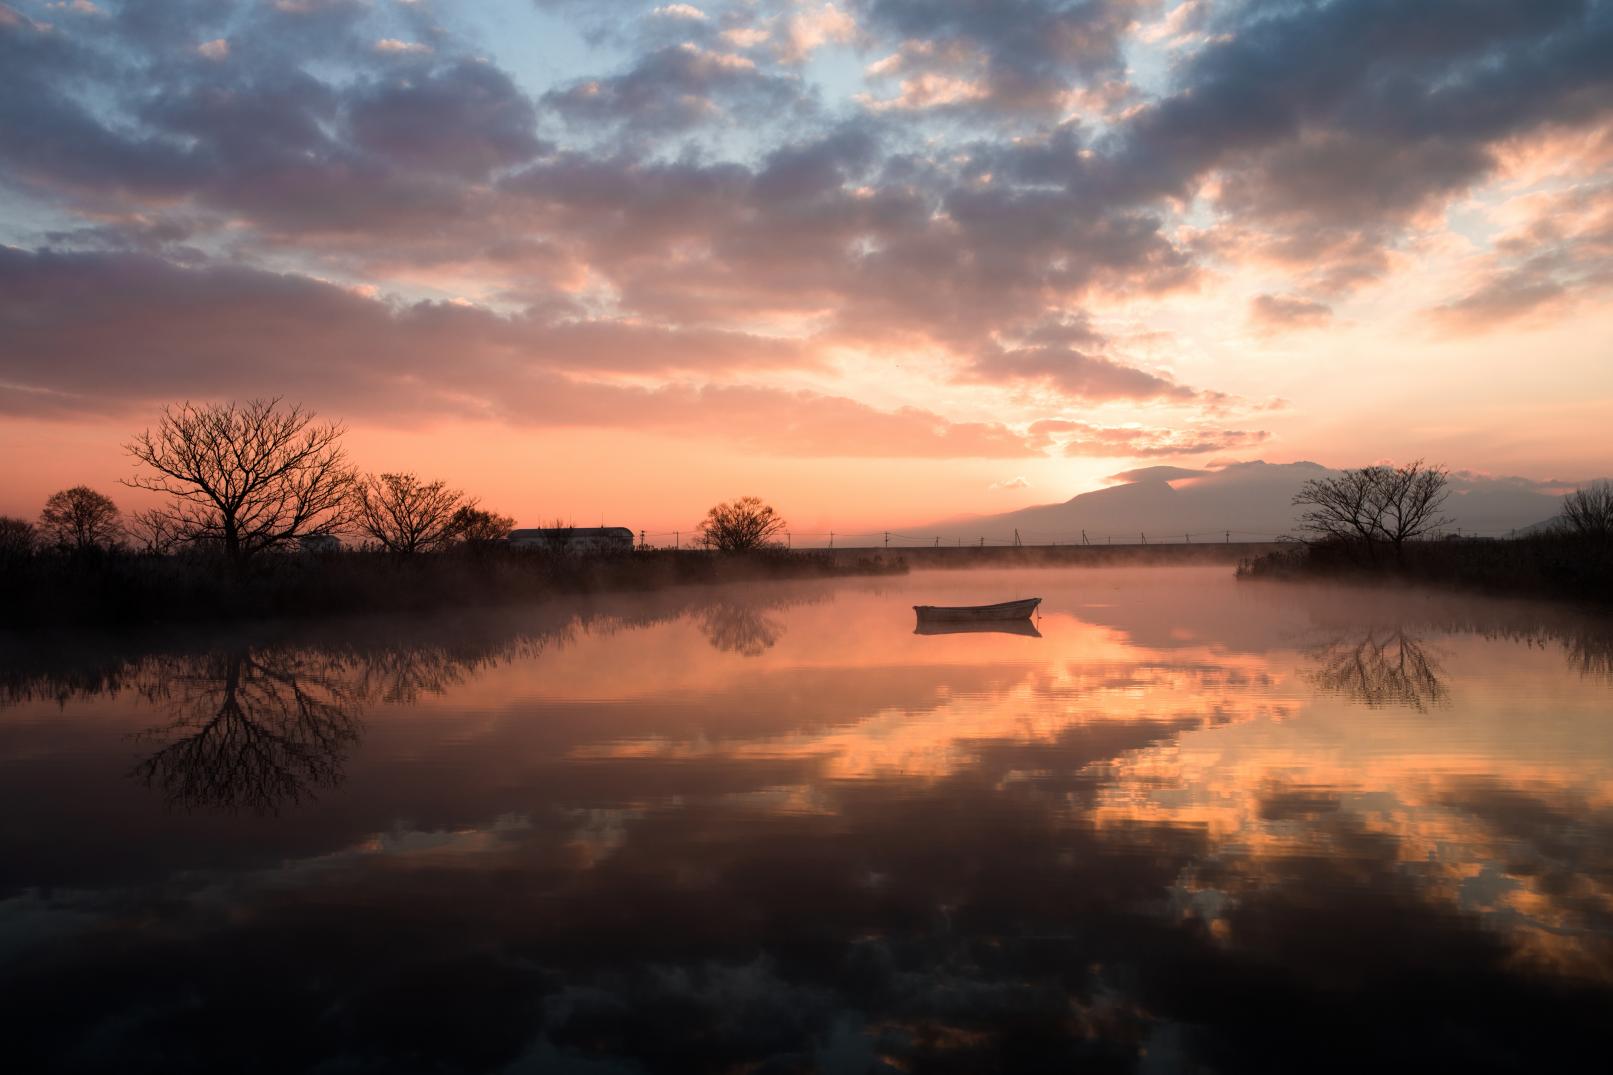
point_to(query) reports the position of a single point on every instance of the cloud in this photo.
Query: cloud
(704, 184)
(1156, 473)
(1018, 56)
(1328, 128)
(1076, 375)
(1078, 438)
(111, 333)
(394, 46)
(1269, 314)
(812, 26)
(680, 11)
(1016, 482)
(1560, 255)
(676, 88)
(464, 119)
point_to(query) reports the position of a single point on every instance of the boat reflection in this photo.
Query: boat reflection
(1024, 628)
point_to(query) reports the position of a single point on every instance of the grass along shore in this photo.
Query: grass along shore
(1560, 565)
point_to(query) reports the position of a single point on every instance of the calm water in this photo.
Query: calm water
(1194, 825)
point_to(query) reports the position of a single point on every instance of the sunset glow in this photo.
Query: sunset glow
(879, 261)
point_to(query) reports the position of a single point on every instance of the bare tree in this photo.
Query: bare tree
(251, 477)
(741, 525)
(475, 526)
(17, 537)
(406, 514)
(1589, 511)
(1342, 508)
(1409, 500)
(154, 531)
(80, 518)
(1376, 505)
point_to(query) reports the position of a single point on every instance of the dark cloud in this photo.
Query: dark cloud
(679, 87)
(1331, 123)
(112, 333)
(700, 188)
(1078, 375)
(1014, 56)
(466, 119)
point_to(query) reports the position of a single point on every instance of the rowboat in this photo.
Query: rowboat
(1006, 610)
(980, 627)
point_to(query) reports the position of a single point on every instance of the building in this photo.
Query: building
(583, 539)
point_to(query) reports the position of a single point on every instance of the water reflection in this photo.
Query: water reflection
(252, 730)
(1382, 666)
(1159, 838)
(740, 627)
(1023, 628)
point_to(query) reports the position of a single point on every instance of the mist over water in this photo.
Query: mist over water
(1187, 824)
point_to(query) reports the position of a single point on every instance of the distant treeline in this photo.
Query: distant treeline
(257, 499)
(104, 587)
(1557, 564)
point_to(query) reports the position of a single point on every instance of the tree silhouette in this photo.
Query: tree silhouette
(1375, 505)
(80, 518)
(1589, 511)
(406, 514)
(17, 537)
(249, 477)
(741, 525)
(474, 526)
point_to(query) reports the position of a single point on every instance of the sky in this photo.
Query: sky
(877, 261)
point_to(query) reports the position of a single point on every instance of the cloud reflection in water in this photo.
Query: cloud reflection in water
(1157, 838)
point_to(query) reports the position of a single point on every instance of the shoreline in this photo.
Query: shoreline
(1569, 568)
(123, 591)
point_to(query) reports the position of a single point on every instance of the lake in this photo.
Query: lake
(1184, 824)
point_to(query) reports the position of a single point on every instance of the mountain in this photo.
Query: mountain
(1252, 501)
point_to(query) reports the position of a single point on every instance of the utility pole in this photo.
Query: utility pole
(1016, 537)
(788, 543)
(642, 544)
(1144, 537)
(1229, 537)
(1084, 540)
(677, 539)
(1189, 538)
(887, 539)
(831, 539)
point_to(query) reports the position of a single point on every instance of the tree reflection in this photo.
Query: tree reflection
(1385, 666)
(740, 628)
(254, 730)
(1590, 652)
